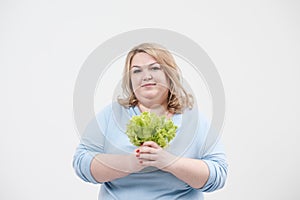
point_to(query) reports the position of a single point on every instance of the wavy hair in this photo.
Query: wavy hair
(178, 98)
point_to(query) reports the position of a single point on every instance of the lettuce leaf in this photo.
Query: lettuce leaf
(150, 127)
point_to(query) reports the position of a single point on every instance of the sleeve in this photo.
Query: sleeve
(92, 142)
(217, 165)
(216, 161)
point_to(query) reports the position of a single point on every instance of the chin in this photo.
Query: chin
(151, 96)
(150, 100)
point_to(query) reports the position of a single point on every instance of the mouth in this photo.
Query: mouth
(148, 84)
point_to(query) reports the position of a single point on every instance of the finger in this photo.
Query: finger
(147, 156)
(137, 150)
(147, 163)
(151, 144)
(146, 149)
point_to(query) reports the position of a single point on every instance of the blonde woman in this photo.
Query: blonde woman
(151, 82)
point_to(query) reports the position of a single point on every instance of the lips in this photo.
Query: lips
(148, 84)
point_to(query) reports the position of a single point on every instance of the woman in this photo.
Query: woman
(152, 83)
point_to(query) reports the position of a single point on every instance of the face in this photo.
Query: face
(149, 81)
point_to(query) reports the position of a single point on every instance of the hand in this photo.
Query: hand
(134, 164)
(151, 154)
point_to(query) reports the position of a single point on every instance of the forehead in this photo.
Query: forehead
(141, 59)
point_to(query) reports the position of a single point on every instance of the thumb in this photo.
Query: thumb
(151, 144)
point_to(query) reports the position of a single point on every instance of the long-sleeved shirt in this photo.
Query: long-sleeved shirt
(106, 135)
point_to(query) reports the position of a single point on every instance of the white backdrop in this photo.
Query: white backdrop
(255, 46)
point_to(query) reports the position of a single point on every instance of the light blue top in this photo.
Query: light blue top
(106, 134)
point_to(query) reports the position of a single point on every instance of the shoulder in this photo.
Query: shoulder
(110, 109)
(195, 118)
(115, 113)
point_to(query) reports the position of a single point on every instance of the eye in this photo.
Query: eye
(155, 67)
(135, 71)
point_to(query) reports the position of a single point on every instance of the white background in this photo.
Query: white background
(255, 46)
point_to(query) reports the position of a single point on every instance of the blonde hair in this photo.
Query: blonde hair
(178, 98)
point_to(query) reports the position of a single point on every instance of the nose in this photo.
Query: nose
(147, 76)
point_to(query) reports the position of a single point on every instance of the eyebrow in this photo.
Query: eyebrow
(144, 65)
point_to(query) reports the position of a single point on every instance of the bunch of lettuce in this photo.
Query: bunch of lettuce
(150, 127)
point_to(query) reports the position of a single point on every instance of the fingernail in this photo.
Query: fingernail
(141, 161)
(137, 155)
(137, 151)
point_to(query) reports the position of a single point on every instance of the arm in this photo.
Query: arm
(91, 164)
(192, 171)
(90, 161)
(107, 167)
(208, 173)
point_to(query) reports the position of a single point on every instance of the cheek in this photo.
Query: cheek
(134, 83)
(164, 80)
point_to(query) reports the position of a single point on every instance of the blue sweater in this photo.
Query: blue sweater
(106, 134)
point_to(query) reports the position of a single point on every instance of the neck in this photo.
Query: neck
(157, 109)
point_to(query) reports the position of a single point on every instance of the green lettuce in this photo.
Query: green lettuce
(150, 127)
